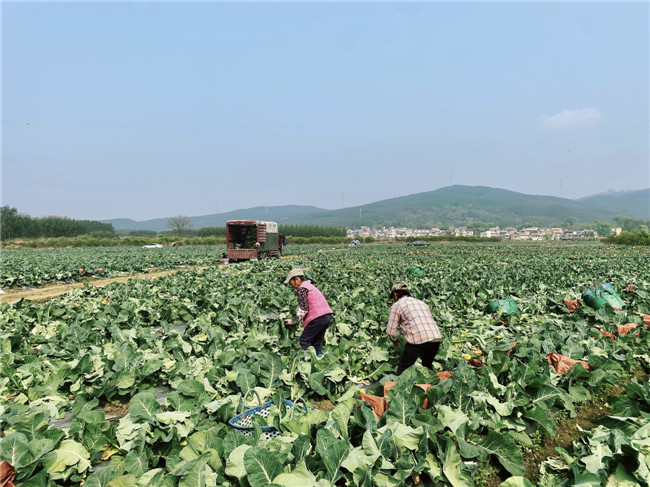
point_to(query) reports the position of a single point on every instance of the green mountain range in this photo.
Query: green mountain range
(450, 206)
(635, 204)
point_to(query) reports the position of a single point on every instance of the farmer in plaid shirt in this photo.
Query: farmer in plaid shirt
(413, 318)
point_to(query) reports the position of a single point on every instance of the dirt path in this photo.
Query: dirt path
(45, 293)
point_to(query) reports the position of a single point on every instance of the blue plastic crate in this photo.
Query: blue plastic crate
(244, 422)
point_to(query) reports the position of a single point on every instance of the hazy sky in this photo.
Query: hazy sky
(145, 110)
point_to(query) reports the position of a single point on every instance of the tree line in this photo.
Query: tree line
(312, 231)
(634, 232)
(20, 225)
(629, 238)
(303, 231)
(297, 231)
(632, 226)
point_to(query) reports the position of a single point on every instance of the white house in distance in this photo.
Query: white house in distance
(507, 233)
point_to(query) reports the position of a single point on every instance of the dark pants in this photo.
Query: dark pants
(427, 351)
(314, 332)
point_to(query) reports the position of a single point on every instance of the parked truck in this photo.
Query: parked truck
(252, 239)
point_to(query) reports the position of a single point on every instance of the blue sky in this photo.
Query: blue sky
(146, 110)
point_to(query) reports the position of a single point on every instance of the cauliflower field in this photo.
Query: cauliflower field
(134, 384)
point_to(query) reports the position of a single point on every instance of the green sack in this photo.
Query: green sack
(600, 295)
(503, 305)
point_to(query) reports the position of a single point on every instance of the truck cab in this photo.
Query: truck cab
(252, 239)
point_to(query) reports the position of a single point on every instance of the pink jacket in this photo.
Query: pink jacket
(317, 303)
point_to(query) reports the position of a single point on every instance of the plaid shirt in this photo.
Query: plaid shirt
(414, 319)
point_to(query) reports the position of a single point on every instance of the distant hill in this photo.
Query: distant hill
(451, 206)
(635, 204)
(280, 214)
(459, 205)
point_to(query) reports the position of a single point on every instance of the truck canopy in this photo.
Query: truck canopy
(271, 227)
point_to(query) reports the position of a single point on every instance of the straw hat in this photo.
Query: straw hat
(297, 272)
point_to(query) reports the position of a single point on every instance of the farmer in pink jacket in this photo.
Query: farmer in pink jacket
(313, 311)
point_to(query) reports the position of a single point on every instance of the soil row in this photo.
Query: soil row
(587, 418)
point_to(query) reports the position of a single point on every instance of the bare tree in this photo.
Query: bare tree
(179, 224)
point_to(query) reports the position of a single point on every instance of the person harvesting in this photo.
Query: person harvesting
(313, 310)
(413, 318)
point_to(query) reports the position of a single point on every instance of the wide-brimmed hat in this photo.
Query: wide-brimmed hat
(297, 272)
(398, 286)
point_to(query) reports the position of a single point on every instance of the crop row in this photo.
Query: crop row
(32, 268)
